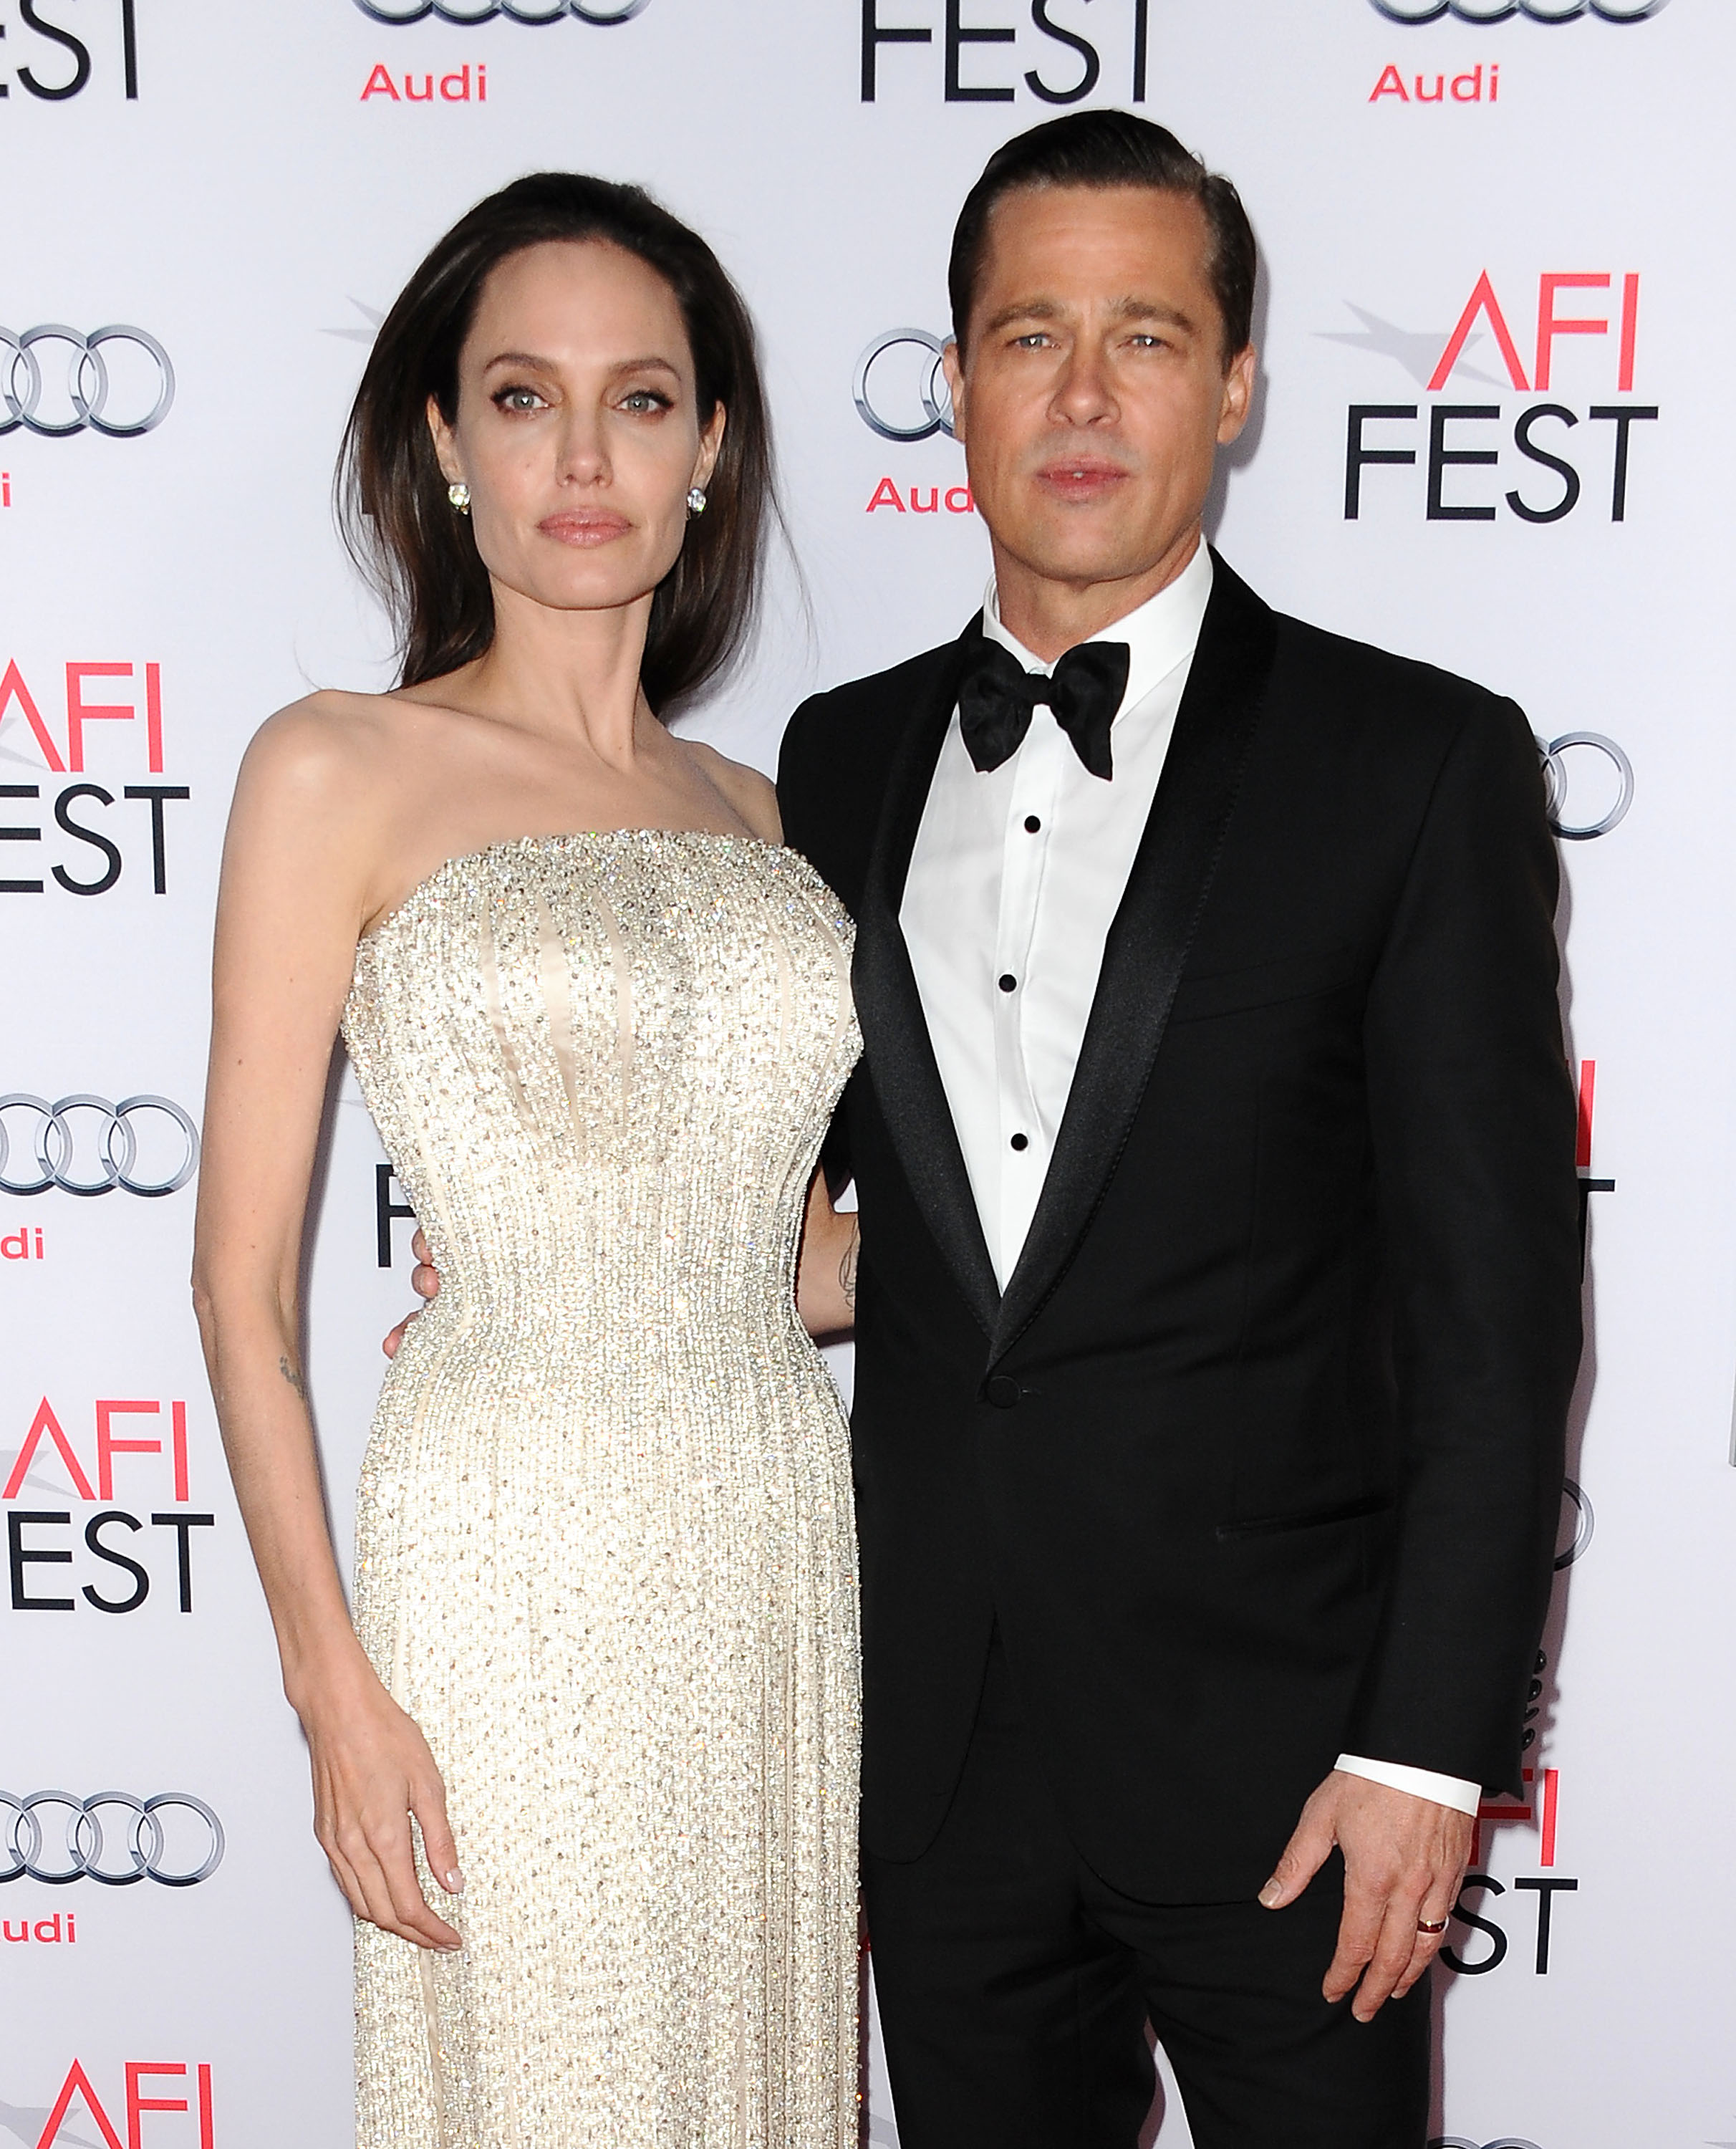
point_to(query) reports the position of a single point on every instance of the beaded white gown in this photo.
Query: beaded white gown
(604, 1548)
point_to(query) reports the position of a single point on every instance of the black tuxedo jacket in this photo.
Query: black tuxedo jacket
(1258, 1458)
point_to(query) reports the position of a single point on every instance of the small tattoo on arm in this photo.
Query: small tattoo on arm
(846, 1267)
(292, 1377)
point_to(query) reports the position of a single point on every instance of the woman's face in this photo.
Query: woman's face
(577, 431)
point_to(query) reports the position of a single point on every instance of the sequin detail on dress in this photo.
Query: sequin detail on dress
(605, 1548)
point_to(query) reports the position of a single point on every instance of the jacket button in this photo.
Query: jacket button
(1003, 1390)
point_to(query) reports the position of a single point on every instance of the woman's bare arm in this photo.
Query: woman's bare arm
(299, 860)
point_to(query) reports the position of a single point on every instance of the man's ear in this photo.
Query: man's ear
(445, 448)
(952, 364)
(1239, 378)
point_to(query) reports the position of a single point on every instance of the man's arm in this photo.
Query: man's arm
(1472, 1115)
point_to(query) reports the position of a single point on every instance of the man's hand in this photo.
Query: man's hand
(1404, 1858)
(425, 1280)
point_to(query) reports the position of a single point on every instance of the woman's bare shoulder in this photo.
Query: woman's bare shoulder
(329, 740)
(752, 796)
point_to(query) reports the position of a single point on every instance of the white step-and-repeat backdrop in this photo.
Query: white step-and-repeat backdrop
(1494, 432)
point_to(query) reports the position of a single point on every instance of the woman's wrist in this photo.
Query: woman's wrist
(316, 1673)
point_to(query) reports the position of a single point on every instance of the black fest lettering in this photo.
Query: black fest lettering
(91, 840)
(125, 1554)
(52, 61)
(1553, 464)
(1490, 1924)
(958, 55)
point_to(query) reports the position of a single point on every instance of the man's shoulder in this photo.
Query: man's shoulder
(870, 712)
(1359, 687)
(1318, 657)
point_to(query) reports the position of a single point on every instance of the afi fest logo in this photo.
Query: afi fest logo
(110, 1838)
(81, 818)
(1556, 455)
(58, 380)
(1068, 65)
(79, 2104)
(50, 61)
(124, 1554)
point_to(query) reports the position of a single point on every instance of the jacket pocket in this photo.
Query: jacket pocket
(1264, 984)
(1269, 1526)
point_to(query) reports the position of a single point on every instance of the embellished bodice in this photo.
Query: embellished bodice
(602, 1063)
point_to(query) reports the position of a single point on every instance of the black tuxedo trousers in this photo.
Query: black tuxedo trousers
(1257, 1458)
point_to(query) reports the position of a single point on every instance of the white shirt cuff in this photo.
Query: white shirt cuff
(1420, 1783)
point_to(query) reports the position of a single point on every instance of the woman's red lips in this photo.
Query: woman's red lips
(585, 526)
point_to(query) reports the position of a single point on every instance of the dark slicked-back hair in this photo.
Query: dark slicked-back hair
(1110, 149)
(392, 504)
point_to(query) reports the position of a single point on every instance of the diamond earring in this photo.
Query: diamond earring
(459, 496)
(695, 500)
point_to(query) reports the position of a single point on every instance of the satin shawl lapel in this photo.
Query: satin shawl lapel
(1148, 944)
(899, 1052)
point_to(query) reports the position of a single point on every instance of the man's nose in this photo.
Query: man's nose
(1085, 395)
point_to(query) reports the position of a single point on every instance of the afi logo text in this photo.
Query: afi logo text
(117, 1544)
(1551, 469)
(76, 818)
(145, 2080)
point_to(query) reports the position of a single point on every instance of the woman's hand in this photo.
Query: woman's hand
(372, 1770)
(826, 1274)
(424, 1279)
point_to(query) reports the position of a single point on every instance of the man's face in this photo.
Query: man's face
(1093, 392)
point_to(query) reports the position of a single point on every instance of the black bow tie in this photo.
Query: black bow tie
(997, 697)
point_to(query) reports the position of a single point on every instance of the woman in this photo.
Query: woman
(604, 1647)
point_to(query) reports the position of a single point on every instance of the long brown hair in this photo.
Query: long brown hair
(392, 505)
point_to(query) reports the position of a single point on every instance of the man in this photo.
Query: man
(1219, 1268)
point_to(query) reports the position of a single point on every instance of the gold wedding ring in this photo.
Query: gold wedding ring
(1431, 1925)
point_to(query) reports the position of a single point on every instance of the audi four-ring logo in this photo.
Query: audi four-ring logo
(1503, 11)
(52, 1137)
(1463, 2141)
(117, 1853)
(904, 398)
(87, 384)
(1555, 776)
(515, 11)
(1585, 1523)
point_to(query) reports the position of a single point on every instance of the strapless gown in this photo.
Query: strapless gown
(604, 1548)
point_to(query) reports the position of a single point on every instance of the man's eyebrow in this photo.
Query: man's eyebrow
(1153, 309)
(1124, 310)
(1024, 310)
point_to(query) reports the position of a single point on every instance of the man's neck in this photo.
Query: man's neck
(1049, 617)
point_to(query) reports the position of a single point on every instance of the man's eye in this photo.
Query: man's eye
(1031, 342)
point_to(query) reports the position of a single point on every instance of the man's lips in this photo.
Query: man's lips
(596, 526)
(1081, 477)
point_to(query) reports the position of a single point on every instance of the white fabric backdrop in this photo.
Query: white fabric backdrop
(252, 210)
